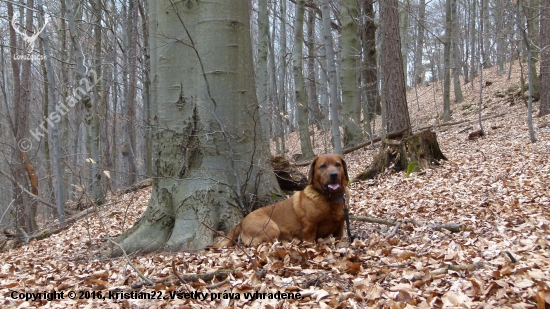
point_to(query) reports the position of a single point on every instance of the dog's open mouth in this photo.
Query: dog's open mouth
(333, 186)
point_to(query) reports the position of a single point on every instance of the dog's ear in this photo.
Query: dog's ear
(345, 168)
(311, 173)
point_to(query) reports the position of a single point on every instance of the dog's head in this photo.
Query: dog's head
(328, 173)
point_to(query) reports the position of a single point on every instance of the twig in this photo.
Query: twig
(38, 198)
(213, 286)
(448, 267)
(393, 231)
(175, 271)
(147, 280)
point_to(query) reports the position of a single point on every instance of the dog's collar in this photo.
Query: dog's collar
(335, 199)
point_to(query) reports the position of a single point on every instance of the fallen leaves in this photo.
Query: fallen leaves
(495, 188)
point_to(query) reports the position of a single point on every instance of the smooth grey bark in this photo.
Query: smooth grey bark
(331, 68)
(316, 116)
(302, 113)
(351, 107)
(212, 160)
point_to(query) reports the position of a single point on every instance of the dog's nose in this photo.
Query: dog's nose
(333, 175)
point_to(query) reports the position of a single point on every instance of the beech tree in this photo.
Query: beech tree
(351, 107)
(211, 158)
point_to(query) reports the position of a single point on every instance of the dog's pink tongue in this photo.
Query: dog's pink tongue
(333, 186)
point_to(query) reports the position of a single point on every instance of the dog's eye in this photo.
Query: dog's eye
(338, 164)
(323, 166)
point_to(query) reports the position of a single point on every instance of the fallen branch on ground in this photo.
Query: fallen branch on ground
(453, 227)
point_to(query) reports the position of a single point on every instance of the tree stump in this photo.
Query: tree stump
(421, 148)
(288, 176)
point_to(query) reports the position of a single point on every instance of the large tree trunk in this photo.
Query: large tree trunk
(397, 113)
(212, 161)
(351, 107)
(419, 151)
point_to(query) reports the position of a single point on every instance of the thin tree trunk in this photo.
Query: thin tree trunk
(300, 90)
(500, 39)
(473, 31)
(418, 65)
(282, 79)
(544, 107)
(447, 63)
(404, 33)
(313, 101)
(335, 122)
(530, 75)
(91, 120)
(22, 93)
(531, 8)
(351, 107)
(487, 63)
(262, 82)
(456, 53)
(146, 93)
(54, 107)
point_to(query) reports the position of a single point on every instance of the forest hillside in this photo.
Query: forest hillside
(494, 189)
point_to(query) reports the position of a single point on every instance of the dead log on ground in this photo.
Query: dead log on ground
(288, 176)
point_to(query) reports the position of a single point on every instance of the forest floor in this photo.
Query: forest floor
(496, 187)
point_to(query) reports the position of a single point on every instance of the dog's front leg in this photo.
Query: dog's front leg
(309, 231)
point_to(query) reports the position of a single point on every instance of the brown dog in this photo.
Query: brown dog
(316, 212)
